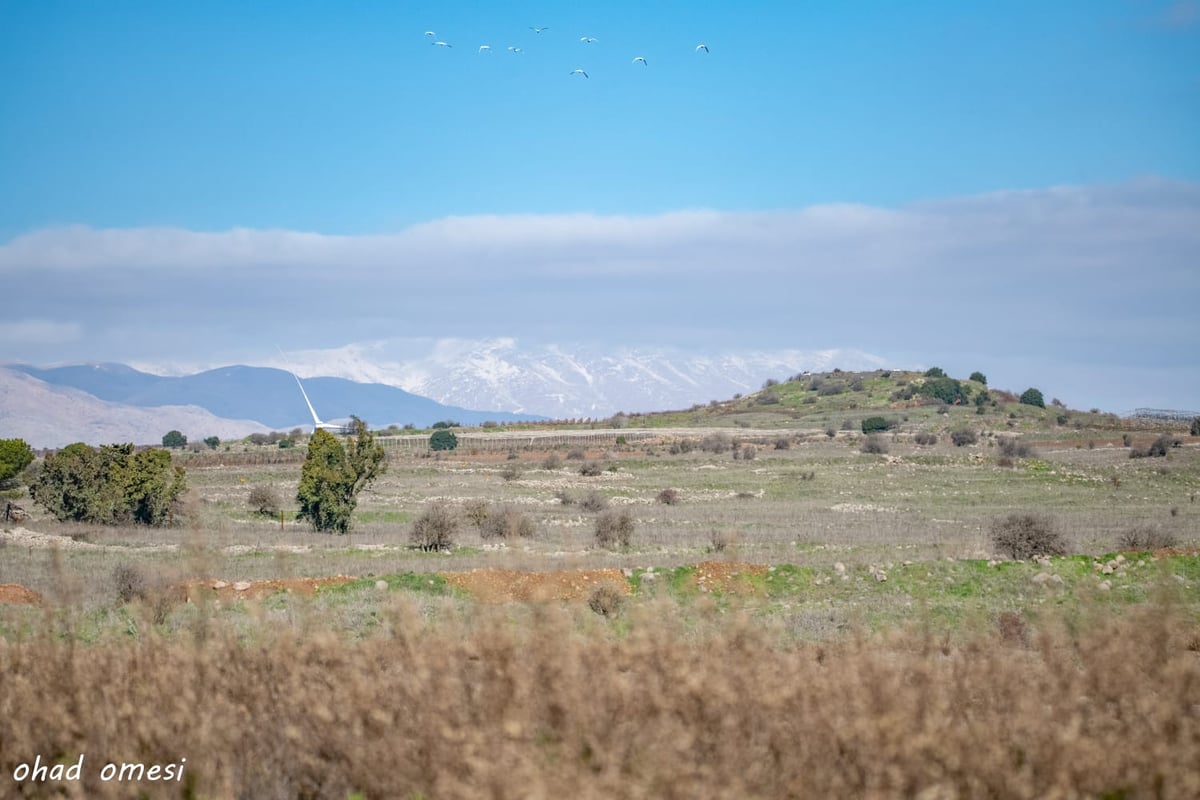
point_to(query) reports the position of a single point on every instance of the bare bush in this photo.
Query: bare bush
(720, 540)
(130, 582)
(925, 438)
(510, 473)
(745, 452)
(606, 599)
(614, 529)
(551, 461)
(565, 497)
(576, 454)
(435, 528)
(1023, 536)
(594, 501)
(668, 497)
(264, 500)
(963, 437)
(477, 512)
(1147, 537)
(681, 446)
(719, 442)
(591, 469)
(507, 523)
(1014, 447)
(783, 443)
(875, 444)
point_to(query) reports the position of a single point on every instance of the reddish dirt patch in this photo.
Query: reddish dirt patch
(17, 594)
(245, 590)
(503, 585)
(728, 577)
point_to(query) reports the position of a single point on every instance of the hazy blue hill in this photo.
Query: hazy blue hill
(267, 395)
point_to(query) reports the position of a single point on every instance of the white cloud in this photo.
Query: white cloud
(1105, 275)
(38, 331)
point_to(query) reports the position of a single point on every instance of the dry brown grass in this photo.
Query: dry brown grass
(557, 705)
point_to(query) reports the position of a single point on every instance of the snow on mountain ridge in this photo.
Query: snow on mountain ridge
(566, 381)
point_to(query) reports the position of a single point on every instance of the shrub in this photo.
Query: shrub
(768, 398)
(614, 529)
(978, 377)
(590, 469)
(606, 599)
(875, 424)
(1032, 397)
(130, 582)
(434, 529)
(565, 497)
(963, 437)
(477, 512)
(925, 438)
(856, 384)
(668, 497)
(443, 440)
(110, 485)
(831, 388)
(719, 442)
(745, 452)
(783, 443)
(1146, 538)
(1023, 536)
(552, 461)
(935, 372)
(576, 454)
(507, 523)
(1127, 440)
(1013, 447)
(1194, 430)
(680, 446)
(944, 389)
(213, 442)
(594, 501)
(720, 540)
(264, 500)
(511, 472)
(448, 423)
(875, 444)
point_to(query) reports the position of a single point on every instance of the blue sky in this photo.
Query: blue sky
(142, 125)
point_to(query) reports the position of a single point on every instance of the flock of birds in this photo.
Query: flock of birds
(587, 40)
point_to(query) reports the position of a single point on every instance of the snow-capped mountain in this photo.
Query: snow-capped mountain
(562, 381)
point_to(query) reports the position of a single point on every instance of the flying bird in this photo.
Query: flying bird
(430, 33)
(579, 72)
(587, 39)
(484, 48)
(537, 30)
(639, 58)
(512, 49)
(441, 44)
(701, 46)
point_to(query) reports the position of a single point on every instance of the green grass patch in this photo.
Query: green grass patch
(425, 582)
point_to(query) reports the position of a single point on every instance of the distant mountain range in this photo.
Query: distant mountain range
(52, 405)
(98, 403)
(569, 381)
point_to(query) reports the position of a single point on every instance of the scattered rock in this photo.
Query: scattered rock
(381, 585)
(839, 568)
(1105, 586)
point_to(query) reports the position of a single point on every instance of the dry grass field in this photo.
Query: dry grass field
(806, 621)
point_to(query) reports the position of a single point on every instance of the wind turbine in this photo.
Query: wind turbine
(318, 425)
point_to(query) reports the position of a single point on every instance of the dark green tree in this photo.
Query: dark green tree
(945, 389)
(109, 485)
(1195, 429)
(15, 456)
(1033, 397)
(212, 442)
(333, 474)
(443, 440)
(935, 372)
(875, 424)
(978, 377)
(174, 439)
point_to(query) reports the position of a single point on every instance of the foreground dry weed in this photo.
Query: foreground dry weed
(570, 707)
